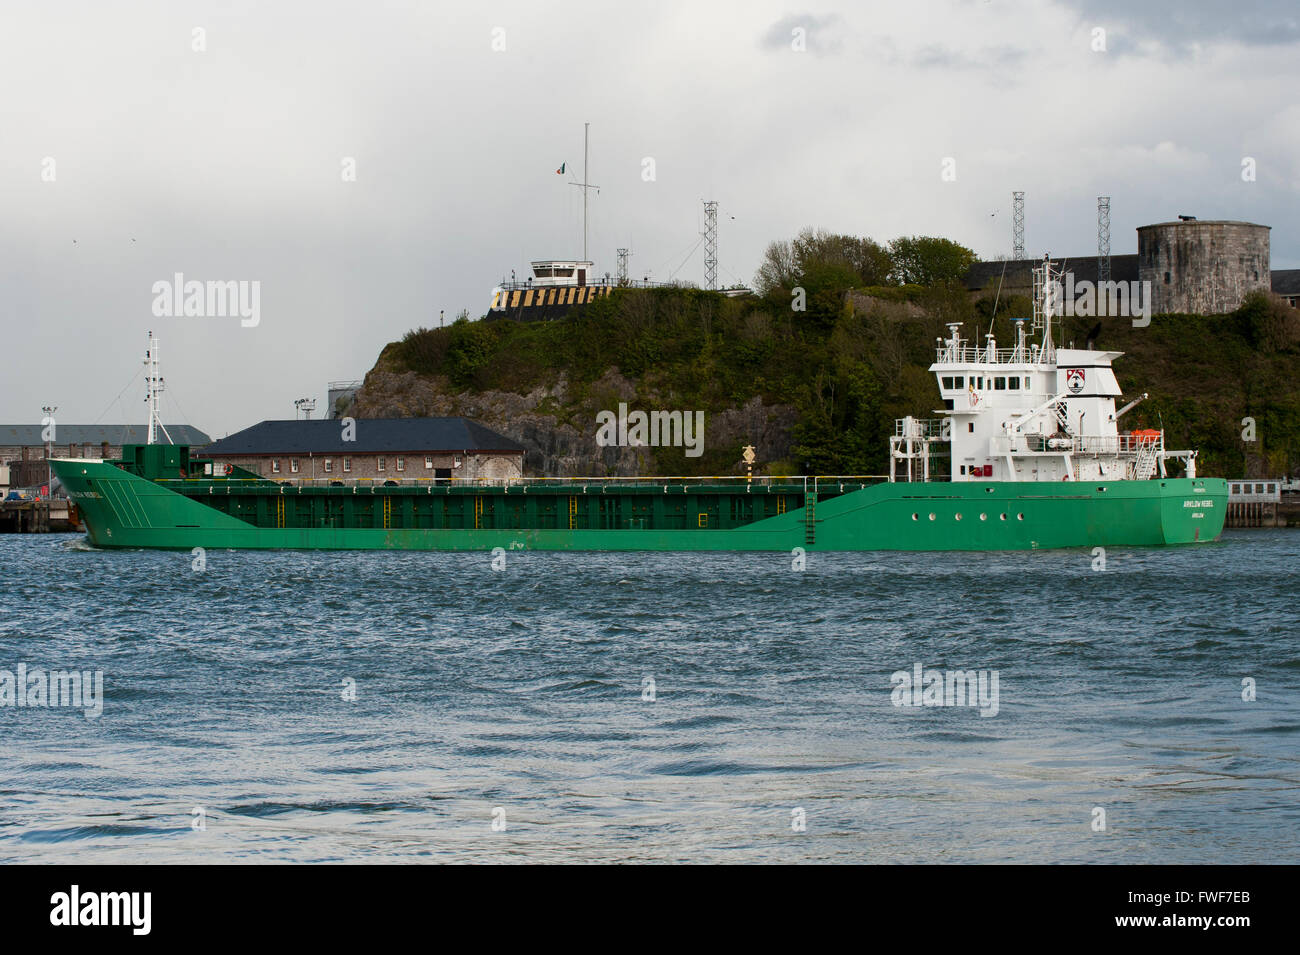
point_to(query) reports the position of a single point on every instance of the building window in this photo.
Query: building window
(275, 466)
(401, 464)
(379, 463)
(347, 465)
(329, 465)
(293, 465)
(428, 463)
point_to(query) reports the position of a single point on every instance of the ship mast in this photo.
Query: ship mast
(154, 386)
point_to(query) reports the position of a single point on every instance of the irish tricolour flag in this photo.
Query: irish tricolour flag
(560, 171)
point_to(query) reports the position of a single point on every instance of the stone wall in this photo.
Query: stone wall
(1203, 267)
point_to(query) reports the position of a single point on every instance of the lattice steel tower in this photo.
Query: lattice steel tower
(622, 266)
(1103, 238)
(1017, 225)
(711, 245)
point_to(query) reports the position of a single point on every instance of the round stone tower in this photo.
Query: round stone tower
(1204, 267)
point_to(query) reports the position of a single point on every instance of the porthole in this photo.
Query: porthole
(984, 517)
(957, 516)
(916, 517)
(1020, 517)
(932, 515)
(1002, 517)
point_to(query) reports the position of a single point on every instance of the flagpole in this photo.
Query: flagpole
(585, 129)
(585, 185)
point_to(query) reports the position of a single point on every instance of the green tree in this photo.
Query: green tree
(928, 260)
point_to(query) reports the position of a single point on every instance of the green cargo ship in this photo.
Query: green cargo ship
(135, 503)
(1035, 459)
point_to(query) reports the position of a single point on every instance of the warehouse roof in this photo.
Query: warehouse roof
(29, 435)
(372, 436)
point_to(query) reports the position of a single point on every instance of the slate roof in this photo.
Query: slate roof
(1286, 281)
(1019, 272)
(29, 435)
(373, 436)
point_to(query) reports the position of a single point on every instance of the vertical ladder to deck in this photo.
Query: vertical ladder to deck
(388, 512)
(810, 518)
(573, 512)
(478, 511)
(279, 512)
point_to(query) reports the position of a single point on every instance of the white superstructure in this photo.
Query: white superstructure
(1033, 412)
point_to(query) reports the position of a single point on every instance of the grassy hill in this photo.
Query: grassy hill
(817, 391)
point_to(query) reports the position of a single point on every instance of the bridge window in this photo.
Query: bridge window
(1013, 384)
(945, 382)
(959, 381)
(1026, 383)
(999, 384)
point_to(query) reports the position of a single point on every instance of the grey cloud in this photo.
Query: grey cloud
(824, 33)
(1178, 25)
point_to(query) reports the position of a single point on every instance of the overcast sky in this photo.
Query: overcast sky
(226, 163)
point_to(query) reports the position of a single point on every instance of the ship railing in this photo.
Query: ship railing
(974, 354)
(684, 480)
(1122, 444)
(938, 428)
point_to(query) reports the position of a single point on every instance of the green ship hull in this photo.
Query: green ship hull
(131, 504)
